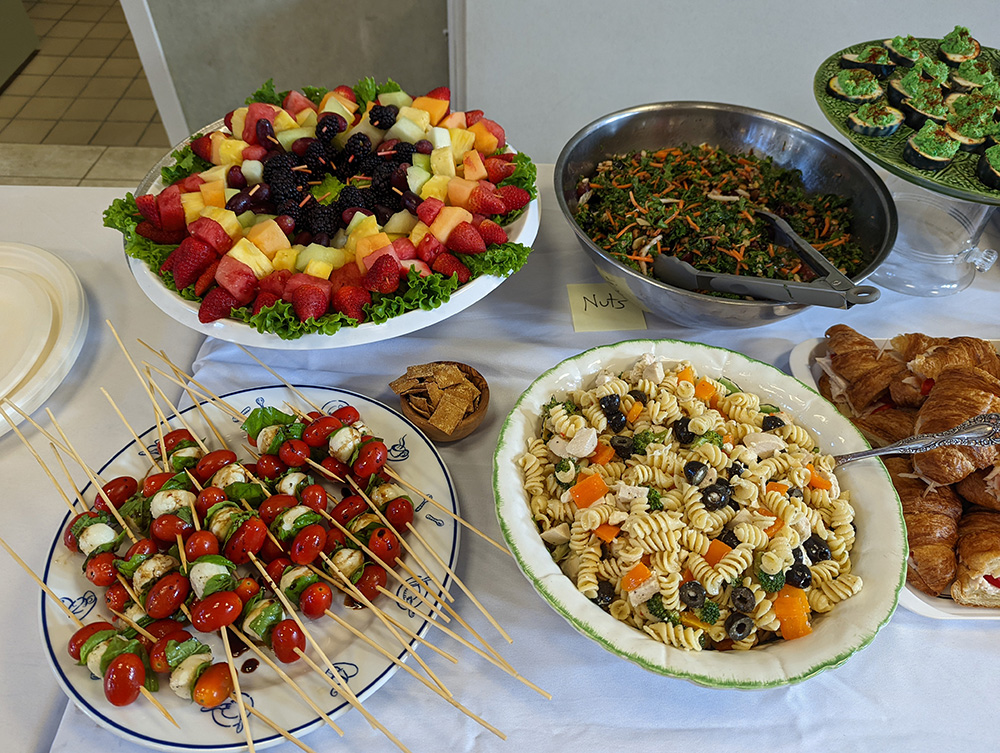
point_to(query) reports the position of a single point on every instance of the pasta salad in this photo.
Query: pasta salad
(688, 509)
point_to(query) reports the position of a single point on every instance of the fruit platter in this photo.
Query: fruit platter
(929, 116)
(329, 218)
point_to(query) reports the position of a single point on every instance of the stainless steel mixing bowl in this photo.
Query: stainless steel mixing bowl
(826, 166)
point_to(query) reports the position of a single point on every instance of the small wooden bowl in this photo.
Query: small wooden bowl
(468, 424)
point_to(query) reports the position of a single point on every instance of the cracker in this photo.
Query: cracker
(446, 375)
(420, 405)
(404, 384)
(448, 413)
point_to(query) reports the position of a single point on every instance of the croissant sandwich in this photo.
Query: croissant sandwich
(982, 488)
(858, 361)
(978, 580)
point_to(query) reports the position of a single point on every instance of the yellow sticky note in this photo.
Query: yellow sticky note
(598, 307)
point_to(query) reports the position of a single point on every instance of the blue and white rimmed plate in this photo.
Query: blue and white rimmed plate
(879, 554)
(219, 730)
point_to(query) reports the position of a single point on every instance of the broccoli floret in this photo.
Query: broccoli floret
(709, 437)
(653, 499)
(709, 613)
(771, 583)
(647, 437)
(660, 612)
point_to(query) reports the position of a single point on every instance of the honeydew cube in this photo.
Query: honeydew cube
(400, 223)
(351, 107)
(306, 118)
(421, 117)
(418, 232)
(284, 120)
(253, 171)
(421, 160)
(332, 104)
(247, 219)
(193, 203)
(268, 237)
(213, 193)
(474, 167)
(439, 137)
(339, 239)
(339, 258)
(314, 252)
(319, 268)
(231, 151)
(239, 119)
(230, 193)
(357, 219)
(226, 218)
(367, 245)
(285, 258)
(399, 99)
(406, 130)
(289, 137)
(459, 190)
(462, 141)
(365, 227)
(363, 126)
(446, 220)
(435, 108)
(416, 177)
(214, 173)
(246, 252)
(442, 162)
(486, 142)
(436, 187)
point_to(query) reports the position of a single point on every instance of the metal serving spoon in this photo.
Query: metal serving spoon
(832, 288)
(982, 430)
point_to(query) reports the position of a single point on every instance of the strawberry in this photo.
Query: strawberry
(429, 248)
(472, 117)
(498, 170)
(146, 204)
(449, 265)
(202, 146)
(309, 302)
(207, 278)
(350, 300)
(217, 304)
(157, 235)
(383, 277)
(263, 300)
(514, 197)
(347, 93)
(274, 282)
(191, 258)
(491, 233)
(484, 201)
(442, 92)
(464, 239)
(428, 209)
(505, 156)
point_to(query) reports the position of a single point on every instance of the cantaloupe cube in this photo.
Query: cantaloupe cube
(285, 258)
(306, 118)
(231, 151)
(238, 119)
(462, 140)
(436, 187)
(249, 254)
(228, 219)
(193, 203)
(213, 193)
(447, 218)
(436, 108)
(418, 232)
(459, 190)
(474, 167)
(486, 142)
(268, 237)
(367, 245)
(421, 117)
(453, 120)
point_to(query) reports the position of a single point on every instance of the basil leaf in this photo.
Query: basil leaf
(263, 623)
(219, 583)
(128, 568)
(254, 494)
(119, 645)
(300, 584)
(179, 481)
(267, 416)
(93, 642)
(176, 653)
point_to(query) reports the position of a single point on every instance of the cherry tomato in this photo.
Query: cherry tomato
(270, 467)
(199, 544)
(276, 567)
(216, 611)
(118, 490)
(348, 508)
(314, 497)
(101, 570)
(161, 628)
(214, 686)
(347, 415)
(167, 595)
(142, 546)
(385, 545)
(307, 545)
(273, 505)
(315, 600)
(68, 538)
(157, 654)
(247, 540)
(210, 495)
(371, 458)
(123, 678)
(372, 578)
(153, 482)
(251, 469)
(212, 463)
(271, 550)
(293, 453)
(166, 528)
(335, 539)
(80, 637)
(247, 588)
(173, 438)
(116, 596)
(399, 513)
(312, 416)
(318, 432)
(285, 638)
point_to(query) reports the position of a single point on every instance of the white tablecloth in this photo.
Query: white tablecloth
(923, 684)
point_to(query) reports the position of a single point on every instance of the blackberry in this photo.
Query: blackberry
(350, 196)
(358, 145)
(329, 126)
(279, 163)
(383, 117)
(322, 219)
(292, 209)
(316, 159)
(367, 165)
(404, 152)
(285, 186)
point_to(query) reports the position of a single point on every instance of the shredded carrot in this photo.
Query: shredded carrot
(624, 229)
(638, 258)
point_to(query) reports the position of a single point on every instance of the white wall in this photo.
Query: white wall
(546, 68)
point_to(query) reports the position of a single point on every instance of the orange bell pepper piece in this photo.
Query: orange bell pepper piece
(704, 389)
(635, 577)
(775, 526)
(776, 486)
(791, 607)
(716, 551)
(686, 374)
(633, 412)
(602, 455)
(607, 532)
(588, 491)
(817, 481)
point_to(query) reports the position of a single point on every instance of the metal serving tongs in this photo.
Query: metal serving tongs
(982, 430)
(832, 288)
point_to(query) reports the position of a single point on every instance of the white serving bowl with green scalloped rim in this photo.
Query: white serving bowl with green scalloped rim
(879, 554)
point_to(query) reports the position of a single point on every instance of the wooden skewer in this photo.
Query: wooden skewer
(191, 504)
(128, 588)
(285, 382)
(149, 636)
(197, 404)
(35, 424)
(446, 511)
(277, 728)
(234, 673)
(41, 463)
(284, 676)
(135, 436)
(160, 420)
(177, 413)
(41, 584)
(76, 456)
(202, 390)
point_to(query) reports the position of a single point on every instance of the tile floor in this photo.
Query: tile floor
(81, 111)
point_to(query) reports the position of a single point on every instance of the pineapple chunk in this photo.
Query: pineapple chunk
(421, 117)
(283, 120)
(193, 203)
(418, 232)
(228, 219)
(436, 187)
(231, 151)
(285, 258)
(443, 162)
(238, 120)
(462, 141)
(244, 251)
(214, 173)
(319, 268)
(364, 228)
